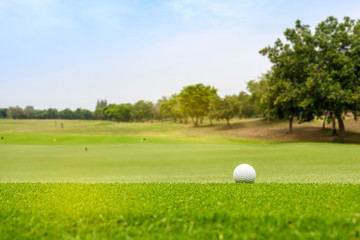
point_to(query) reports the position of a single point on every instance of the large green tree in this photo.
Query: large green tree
(289, 73)
(316, 72)
(195, 100)
(334, 81)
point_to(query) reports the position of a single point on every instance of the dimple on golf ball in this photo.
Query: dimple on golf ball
(244, 173)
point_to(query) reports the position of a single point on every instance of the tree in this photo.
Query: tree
(288, 76)
(143, 110)
(99, 109)
(52, 113)
(172, 108)
(317, 73)
(226, 108)
(41, 114)
(28, 112)
(335, 75)
(15, 112)
(195, 100)
(3, 112)
(215, 108)
(257, 90)
(67, 114)
(245, 110)
(120, 113)
(86, 114)
(77, 114)
(231, 107)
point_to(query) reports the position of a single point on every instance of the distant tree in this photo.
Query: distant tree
(231, 108)
(256, 89)
(52, 113)
(28, 112)
(226, 108)
(99, 109)
(77, 114)
(67, 114)
(195, 100)
(172, 108)
(86, 114)
(3, 112)
(119, 113)
(142, 110)
(41, 114)
(215, 108)
(15, 112)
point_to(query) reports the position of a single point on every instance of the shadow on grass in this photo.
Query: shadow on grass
(277, 131)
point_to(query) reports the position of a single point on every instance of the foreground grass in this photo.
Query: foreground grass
(178, 211)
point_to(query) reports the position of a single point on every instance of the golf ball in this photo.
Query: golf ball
(244, 173)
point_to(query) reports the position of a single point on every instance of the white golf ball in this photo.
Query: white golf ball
(244, 173)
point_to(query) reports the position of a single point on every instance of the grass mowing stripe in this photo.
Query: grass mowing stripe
(296, 162)
(178, 211)
(74, 139)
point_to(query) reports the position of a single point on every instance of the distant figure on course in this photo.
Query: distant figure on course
(85, 149)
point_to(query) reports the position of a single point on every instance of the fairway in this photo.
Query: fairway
(179, 162)
(160, 183)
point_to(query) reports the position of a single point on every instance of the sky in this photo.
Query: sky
(71, 53)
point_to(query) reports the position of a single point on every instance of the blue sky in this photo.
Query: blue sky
(69, 53)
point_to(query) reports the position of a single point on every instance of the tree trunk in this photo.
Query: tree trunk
(323, 126)
(268, 119)
(228, 122)
(185, 120)
(291, 118)
(210, 121)
(341, 128)
(333, 126)
(197, 121)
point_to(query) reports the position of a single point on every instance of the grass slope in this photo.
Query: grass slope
(256, 129)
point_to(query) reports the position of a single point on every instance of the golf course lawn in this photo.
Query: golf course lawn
(159, 183)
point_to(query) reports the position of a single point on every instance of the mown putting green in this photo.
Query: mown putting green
(150, 161)
(170, 185)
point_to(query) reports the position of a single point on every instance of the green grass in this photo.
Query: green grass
(175, 185)
(179, 211)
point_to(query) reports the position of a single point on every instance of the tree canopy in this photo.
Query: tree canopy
(315, 72)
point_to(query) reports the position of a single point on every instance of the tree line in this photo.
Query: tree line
(194, 102)
(52, 113)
